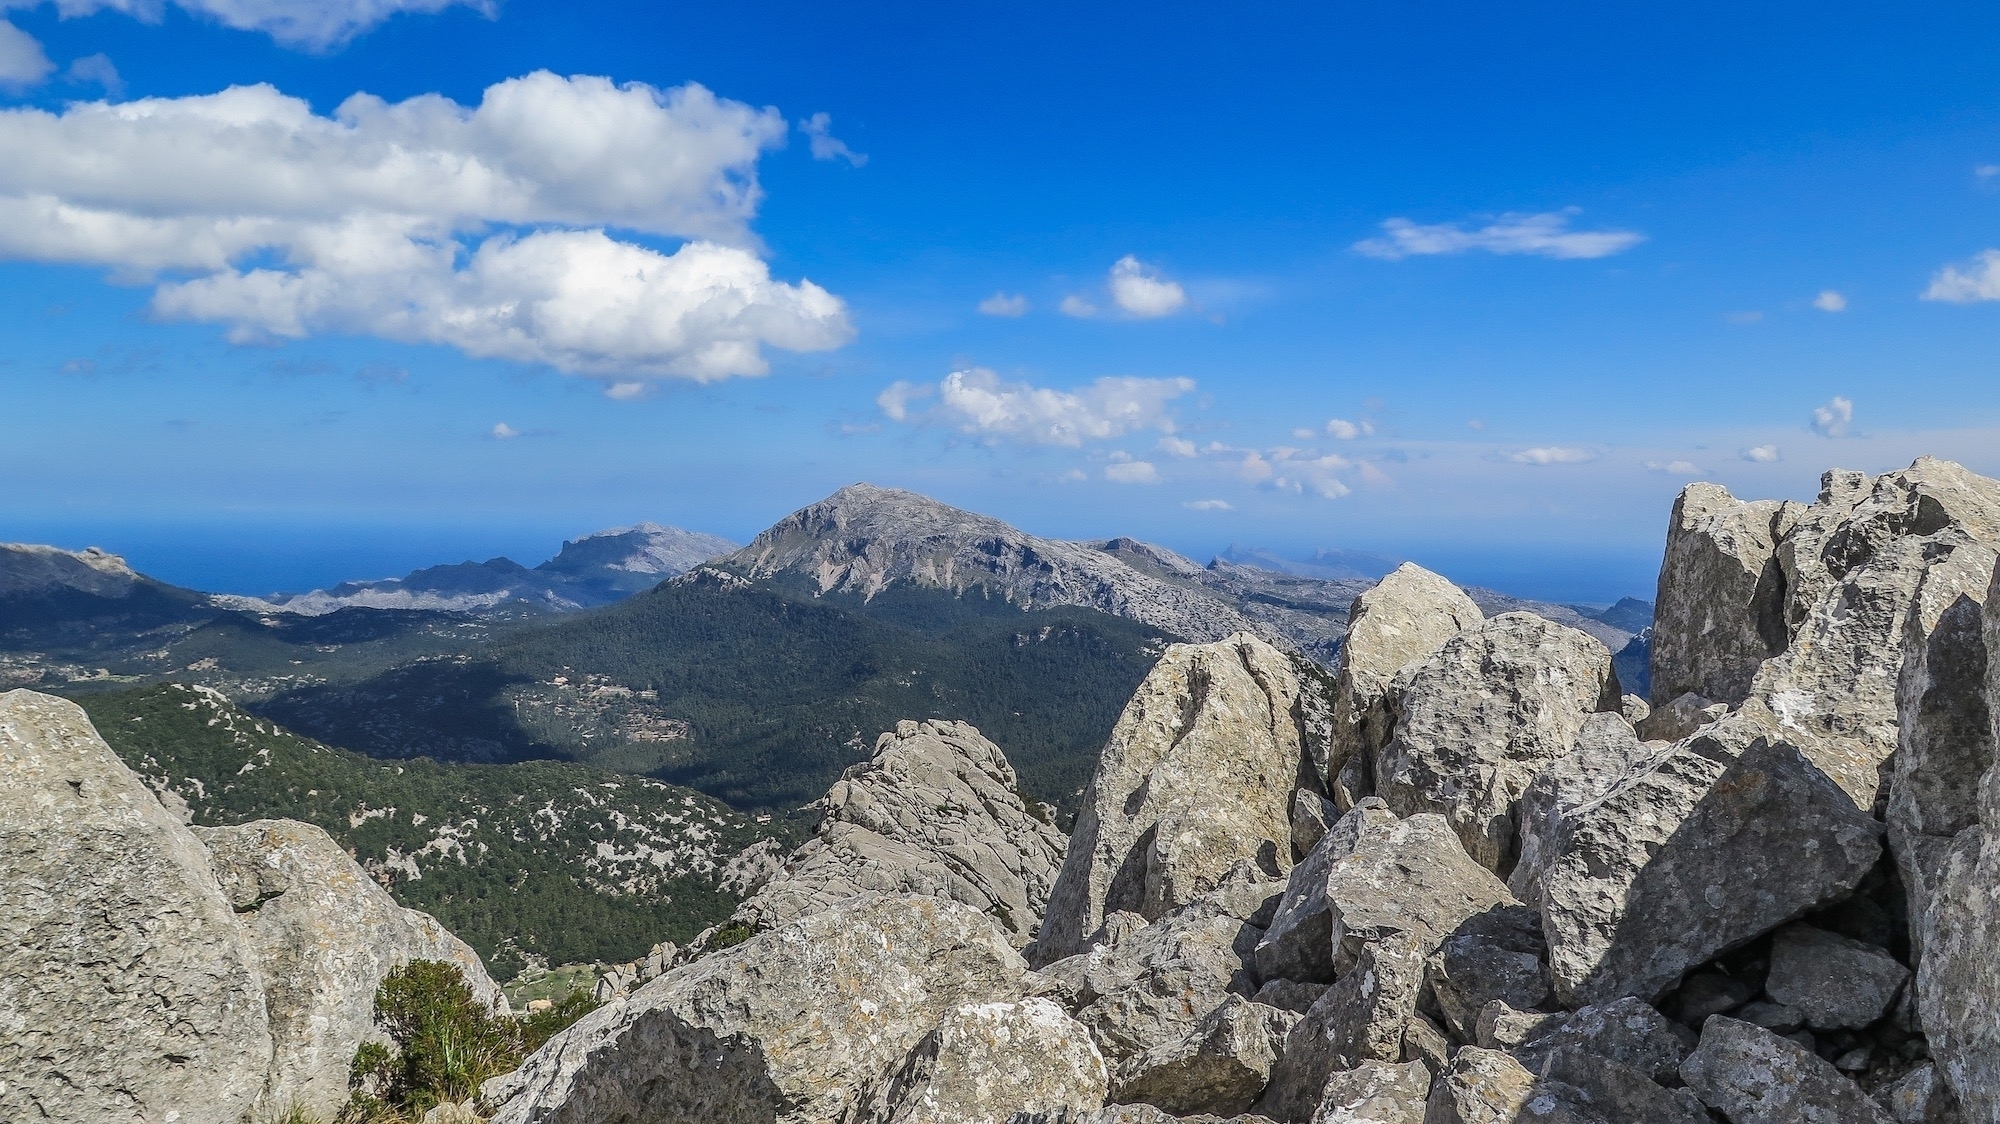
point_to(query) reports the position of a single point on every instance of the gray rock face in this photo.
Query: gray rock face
(1372, 876)
(1501, 1027)
(1476, 721)
(323, 935)
(1619, 1093)
(794, 1025)
(1362, 1017)
(1198, 775)
(1702, 850)
(936, 811)
(985, 1063)
(1721, 610)
(1375, 1093)
(1673, 721)
(1496, 955)
(1921, 1097)
(1755, 1077)
(1403, 620)
(1606, 752)
(1220, 1067)
(1627, 1031)
(127, 990)
(1488, 1087)
(1945, 740)
(1830, 980)
(1312, 814)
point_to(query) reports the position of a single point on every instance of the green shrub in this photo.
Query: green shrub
(447, 1043)
(730, 935)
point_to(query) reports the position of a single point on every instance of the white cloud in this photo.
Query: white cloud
(312, 24)
(979, 402)
(1209, 505)
(825, 146)
(1829, 300)
(1544, 235)
(1001, 304)
(96, 70)
(1073, 305)
(1674, 468)
(1987, 171)
(1762, 454)
(1140, 290)
(502, 431)
(1343, 430)
(1553, 454)
(625, 391)
(381, 219)
(1132, 472)
(1074, 476)
(1177, 446)
(22, 60)
(1832, 419)
(1254, 468)
(1980, 281)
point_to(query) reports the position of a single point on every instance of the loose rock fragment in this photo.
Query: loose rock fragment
(1754, 1077)
(1831, 980)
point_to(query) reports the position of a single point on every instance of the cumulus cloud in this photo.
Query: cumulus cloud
(1674, 468)
(96, 70)
(1830, 300)
(826, 146)
(1832, 419)
(312, 24)
(1002, 304)
(1142, 291)
(1553, 454)
(1543, 235)
(979, 402)
(502, 431)
(1177, 446)
(1341, 429)
(1209, 505)
(1131, 472)
(22, 60)
(1073, 305)
(479, 227)
(1762, 454)
(1978, 281)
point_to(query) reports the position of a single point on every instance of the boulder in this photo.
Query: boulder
(1672, 721)
(1626, 1031)
(1371, 876)
(1501, 1027)
(1362, 1017)
(1499, 955)
(1619, 1093)
(128, 991)
(1375, 1093)
(1403, 620)
(1921, 1097)
(936, 811)
(1703, 849)
(1831, 980)
(1945, 739)
(1477, 720)
(1720, 612)
(1197, 775)
(1707, 993)
(1488, 1087)
(985, 1063)
(1425, 1041)
(796, 1025)
(1152, 987)
(1220, 1066)
(1755, 1077)
(1312, 814)
(1606, 752)
(323, 936)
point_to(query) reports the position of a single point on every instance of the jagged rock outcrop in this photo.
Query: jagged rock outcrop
(1489, 1087)
(1197, 775)
(1499, 955)
(985, 1063)
(1219, 1067)
(1606, 752)
(1477, 720)
(1627, 1031)
(1721, 607)
(1755, 1077)
(127, 989)
(797, 1024)
(1709, 846)
(1403, 620)
(1361, 1018)
(1375, 1093)
(322, 936)
(936, 811)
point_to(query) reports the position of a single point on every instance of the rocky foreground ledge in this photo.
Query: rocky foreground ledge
(1467, 881)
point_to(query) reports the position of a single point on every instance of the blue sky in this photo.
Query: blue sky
(1481, 286)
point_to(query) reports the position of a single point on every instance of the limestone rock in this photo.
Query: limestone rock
(1488, 1087)
(986, 1062)
(1672, 721)
(1721, 610)
(1498, 955)
(1476, 721)
(1700, 851)
(1606, 752)
(936, 811)
(323, 935)
(1831, 980)
(1198, 774)
(794, 1025)
(1362, 1017)
(1371, 876)
(1312, 814)
(1220, 1067)
(1501, 1027)
(1425, 1041)
(1755, 1077)
(1375, 1093)
(1627, 1031)
(1403, 620)
(1945, 739)
(127, 990)
(1619, 1093)
(1958, 978)
(1921, 1097)
(1152, 987)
